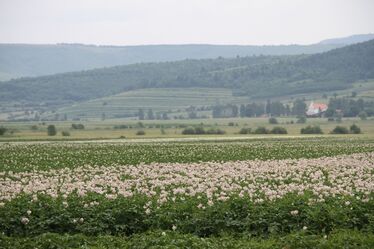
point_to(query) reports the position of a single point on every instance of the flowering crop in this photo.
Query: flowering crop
(258, 188)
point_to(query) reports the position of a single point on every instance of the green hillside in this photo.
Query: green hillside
(168, 100)
(256, 77)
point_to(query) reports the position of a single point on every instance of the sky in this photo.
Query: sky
(140, 22)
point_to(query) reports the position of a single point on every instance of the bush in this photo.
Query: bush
(77, 126)
(261, 130)
(311, 130)
(140, 133)
(199, 130)
(65, 133)
(51, 130)
(231, 124)
(121, 127)
(301, 120)
(363, 115)
(188, 131)
(278, 130)
(340, 130)
(215, 131)
(273, 121)
(2, 130)
(245, 131)
(330, 119)
(354, 129)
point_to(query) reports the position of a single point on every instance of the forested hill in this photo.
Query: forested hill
(18, 60)
(262, 76)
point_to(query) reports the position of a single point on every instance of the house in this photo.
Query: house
(316, 109)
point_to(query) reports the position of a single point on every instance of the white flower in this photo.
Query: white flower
(163, 234)
(347, 203)
(294, 212)
(25, 220)
(174, 227)
(305, 228)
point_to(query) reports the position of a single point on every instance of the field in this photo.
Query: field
(301, 192)
(170, 128)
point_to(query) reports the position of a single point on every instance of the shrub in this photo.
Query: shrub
(311, 130)
(340, 130)
(330, 119)
(245, 131)
(2, 130)
(121, 127)
(363, 115)
(51, 130)
(199, 130)
(355, 129)
(231, 124)
(301, 120)
(215, 131)
(140, 133)
(278, 130)
(261, 130)
(77, 126)
(273, 120)
(188, 131)
(65, 133)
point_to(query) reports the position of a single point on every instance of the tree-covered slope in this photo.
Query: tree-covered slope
(261, 76)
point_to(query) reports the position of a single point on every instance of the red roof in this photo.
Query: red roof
(319, 106)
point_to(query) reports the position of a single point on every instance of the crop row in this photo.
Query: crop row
(27, 157)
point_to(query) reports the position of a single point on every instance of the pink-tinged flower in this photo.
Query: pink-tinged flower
(294, 212)
(25, 220)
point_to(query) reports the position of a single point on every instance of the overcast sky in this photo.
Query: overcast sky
(134, 22)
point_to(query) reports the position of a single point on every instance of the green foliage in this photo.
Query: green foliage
(354, 129)
(28, 157)
(340, 130)
(278, 130)
(363, 115)
(273, 120)
(301, 120)
(77, 126)
(199, 130)
(245, 131)
(140, 133)
(349, 239)
(261, 130)
(269, 75)
(311, 130)
(51, 130)
(2, 130)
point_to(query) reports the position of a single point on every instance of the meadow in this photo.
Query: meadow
(268, 192)
(127, 128)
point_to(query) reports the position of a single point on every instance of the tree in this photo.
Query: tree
(299, 107)
(2, 130)
(150, 114)
(355, 129)
(273, 120)
(51, 130)
(363, 115)
(103, 116)
(141, 114)
(242, 111)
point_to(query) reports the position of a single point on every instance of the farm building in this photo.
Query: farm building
(316, 109)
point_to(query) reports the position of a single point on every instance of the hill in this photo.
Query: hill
(348, 40)
(20, 60)
(257, 77)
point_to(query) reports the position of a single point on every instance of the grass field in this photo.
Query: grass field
(160, 100)
(170, 128)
